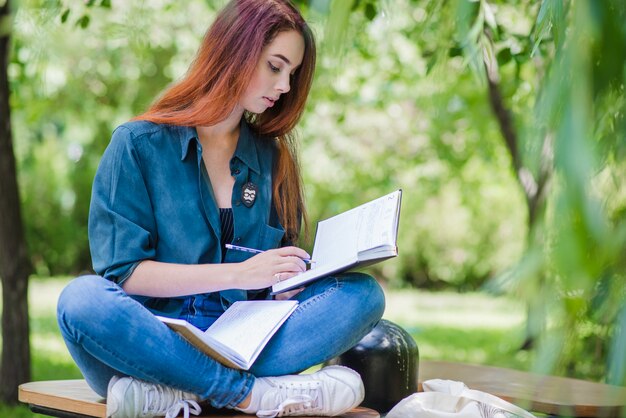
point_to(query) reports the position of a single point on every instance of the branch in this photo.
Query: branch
(534, 188)
(505, 120)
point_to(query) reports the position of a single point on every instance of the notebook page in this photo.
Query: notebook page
(335, 239)
(377, 223)
(246, 325)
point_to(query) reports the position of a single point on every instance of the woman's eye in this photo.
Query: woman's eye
(273, 68)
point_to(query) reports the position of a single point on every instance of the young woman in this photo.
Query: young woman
(213, 162)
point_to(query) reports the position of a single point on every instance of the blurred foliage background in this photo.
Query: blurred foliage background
(406, 96)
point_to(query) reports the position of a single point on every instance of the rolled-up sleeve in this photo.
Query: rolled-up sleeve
(122, 228)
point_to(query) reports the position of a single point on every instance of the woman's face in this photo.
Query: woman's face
(272, 76)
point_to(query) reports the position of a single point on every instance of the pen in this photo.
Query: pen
(255, 251)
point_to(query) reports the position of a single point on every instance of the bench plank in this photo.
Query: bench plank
(66, 395)
(75, 399)
(547, 394)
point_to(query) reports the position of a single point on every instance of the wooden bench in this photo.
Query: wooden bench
(537, 393)
(544, 394)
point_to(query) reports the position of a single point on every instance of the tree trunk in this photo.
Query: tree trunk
(14, 261)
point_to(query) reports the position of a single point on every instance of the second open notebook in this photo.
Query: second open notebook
(237, 337)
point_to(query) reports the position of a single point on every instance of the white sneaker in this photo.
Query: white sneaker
(132, 398)
(328, 392)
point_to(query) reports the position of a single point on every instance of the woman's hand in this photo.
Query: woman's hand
(268, 268)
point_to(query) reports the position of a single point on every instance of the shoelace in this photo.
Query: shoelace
(157, 403)
(293, 402)
(185, 405)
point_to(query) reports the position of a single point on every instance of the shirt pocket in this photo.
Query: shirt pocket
(264, 238)
(270, 237)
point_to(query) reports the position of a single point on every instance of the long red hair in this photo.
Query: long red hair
(218, 77)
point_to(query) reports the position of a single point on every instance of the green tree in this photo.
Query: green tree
(15, 266)
(556, 91)
(576, 129)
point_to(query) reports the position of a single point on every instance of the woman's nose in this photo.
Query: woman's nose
(284, 84)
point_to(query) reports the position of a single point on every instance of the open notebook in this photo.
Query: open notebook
(361, 236)
(237, 337)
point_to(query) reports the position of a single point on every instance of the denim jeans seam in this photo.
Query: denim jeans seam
(66, 331)
(328, 292)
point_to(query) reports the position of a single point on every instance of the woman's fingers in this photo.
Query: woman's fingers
(287, 259)
(293, 251)
(291, 263)
(272, 266)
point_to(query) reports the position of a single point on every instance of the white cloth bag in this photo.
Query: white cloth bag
(451, 399)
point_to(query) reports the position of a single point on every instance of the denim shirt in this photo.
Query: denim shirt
(152, 200)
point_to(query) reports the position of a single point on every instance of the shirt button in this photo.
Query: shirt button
(238, 239)
(237, 171)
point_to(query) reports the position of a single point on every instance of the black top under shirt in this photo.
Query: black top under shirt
(227, 227)
(228, 233)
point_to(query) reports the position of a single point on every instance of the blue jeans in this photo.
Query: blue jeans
(109, 333)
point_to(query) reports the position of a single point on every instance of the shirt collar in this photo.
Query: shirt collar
(185, 135)
(246, 149)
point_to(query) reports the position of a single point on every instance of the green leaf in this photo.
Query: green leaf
(470, 27)
(504, 56)
(489, 57)
(542, 24)
(558, 22)
(65, 15)
(490, 18)
(430, 64)
(83, 22)
(370, 11)
(337, 24)
(455, 51)
(467, 13)
(106, 4)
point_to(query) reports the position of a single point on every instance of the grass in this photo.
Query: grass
(471, 327)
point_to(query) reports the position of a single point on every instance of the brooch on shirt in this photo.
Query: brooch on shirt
(248, 194)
